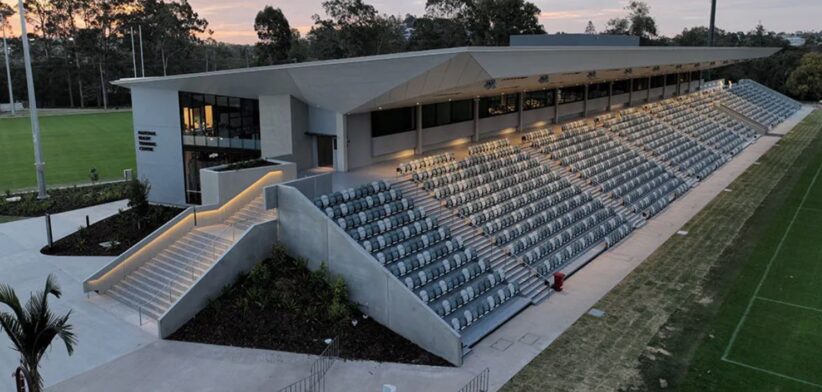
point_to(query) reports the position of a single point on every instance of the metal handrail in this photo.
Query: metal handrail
(315, 381)
(161, 290)
(479, 383)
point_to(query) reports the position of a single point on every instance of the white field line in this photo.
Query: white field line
(789, 304)
(768, 267)
(772, 373)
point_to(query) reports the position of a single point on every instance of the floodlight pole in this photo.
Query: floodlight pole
(35, 122)
(711, 30)
(142, 61)
(133, 54)
(8, 68)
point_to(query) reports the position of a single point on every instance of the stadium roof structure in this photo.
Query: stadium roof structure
(363, 84)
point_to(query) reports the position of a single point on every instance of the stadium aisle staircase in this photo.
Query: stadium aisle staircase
(159, 282)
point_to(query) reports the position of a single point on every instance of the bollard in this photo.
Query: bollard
(195, 216)
(48, 230)
(87, 222)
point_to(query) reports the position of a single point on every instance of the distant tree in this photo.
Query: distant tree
(32, 329)
(171, 29)
(590, 29)
(490, 22)
(354, 28)
(275, 36)
(432, 32)
(618, 26)
(639, 22)
(805, 82)
(6, 11)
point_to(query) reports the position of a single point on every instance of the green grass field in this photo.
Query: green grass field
(72, 145)
(768, 331)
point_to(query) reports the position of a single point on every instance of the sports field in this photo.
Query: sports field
(734, 305)
(72, 145)
(768, 331)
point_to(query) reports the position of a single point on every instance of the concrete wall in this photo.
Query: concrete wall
(284, 124)
(359, 140)
(311, 187)
(220, 186)
(322, 121)
(252, 247)
(379, 293)
(159, 111)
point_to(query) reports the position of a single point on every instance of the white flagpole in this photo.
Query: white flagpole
(8, 68)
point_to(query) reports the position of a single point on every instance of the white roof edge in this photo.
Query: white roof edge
(128, 82)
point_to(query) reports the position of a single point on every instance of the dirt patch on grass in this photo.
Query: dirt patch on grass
(281, 305)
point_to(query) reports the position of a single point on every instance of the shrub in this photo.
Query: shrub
(137, 193)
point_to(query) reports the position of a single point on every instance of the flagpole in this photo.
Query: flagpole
(133, 54)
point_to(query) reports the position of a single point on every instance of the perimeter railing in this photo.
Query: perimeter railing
(315, 382)
(479, 383)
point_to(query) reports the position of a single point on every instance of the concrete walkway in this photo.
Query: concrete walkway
(102, 334)
(180, 366)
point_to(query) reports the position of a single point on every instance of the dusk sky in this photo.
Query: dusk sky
(233, 21)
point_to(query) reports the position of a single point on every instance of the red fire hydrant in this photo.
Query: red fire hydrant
(559, 278)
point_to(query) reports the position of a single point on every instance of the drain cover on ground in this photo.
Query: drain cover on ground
(529, 338)
(502, 344)
(596, 313)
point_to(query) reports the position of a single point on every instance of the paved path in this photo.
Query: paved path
(103, 334)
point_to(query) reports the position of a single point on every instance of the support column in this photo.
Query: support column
(630, 92)
(610, 94)
(341, 153)
(476, 137)
(556, 105)
(418, 149)
(521, 108)
(585, 103)
(648, 91)
(664, 85)
(701, 78)
(678, 84)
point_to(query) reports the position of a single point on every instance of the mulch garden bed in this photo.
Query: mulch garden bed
(281, 305)
(122, 230)
(62, 199)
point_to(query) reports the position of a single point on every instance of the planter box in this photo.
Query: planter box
(219, 185)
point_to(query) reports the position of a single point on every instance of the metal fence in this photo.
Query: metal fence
(479, 383)
(315, 382)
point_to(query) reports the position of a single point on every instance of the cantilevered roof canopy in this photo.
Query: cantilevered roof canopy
(364, 84)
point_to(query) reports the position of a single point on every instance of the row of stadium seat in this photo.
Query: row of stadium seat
(429, 161)
(700, 103)
(675, 113)
(668, 145)
(615, 166)
(419, 251)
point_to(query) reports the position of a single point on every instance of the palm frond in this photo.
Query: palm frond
(9, 298)
(13, 330)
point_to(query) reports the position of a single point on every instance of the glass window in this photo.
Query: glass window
(598, 90)
(445, 113)
(571, 94)
(538, 99)
(640, 84)
(391, 121)
(695, 75)
(207, 119)
(498, 105)
(657, 81)
(621, 87)
(670, 79)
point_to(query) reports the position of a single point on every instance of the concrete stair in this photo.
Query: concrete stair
(157, 284)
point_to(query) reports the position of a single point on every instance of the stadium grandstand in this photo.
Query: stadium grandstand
(461, 186)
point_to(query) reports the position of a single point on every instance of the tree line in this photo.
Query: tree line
(79, 46)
